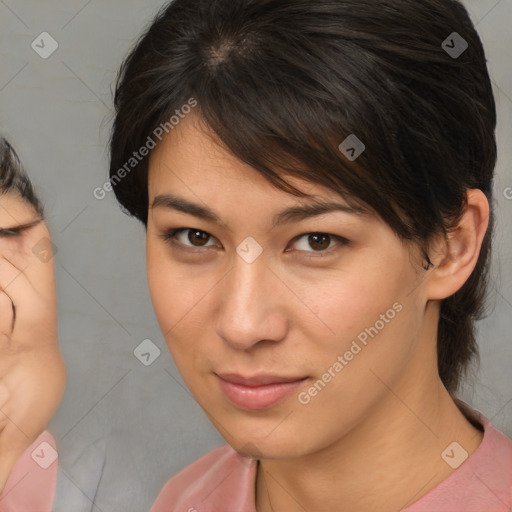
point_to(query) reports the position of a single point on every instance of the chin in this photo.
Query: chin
(267, 448)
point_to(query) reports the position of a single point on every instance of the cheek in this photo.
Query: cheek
(164, 286)
(368, 352)
(346, 303)
(23, 244)
(368, 314)
(16, 244)
(178, 295)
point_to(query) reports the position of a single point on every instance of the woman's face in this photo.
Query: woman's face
(287, 339)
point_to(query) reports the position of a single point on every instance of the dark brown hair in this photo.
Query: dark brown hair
(283, 82)
(13, 177)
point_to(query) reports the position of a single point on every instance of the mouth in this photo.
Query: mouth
(257, 392)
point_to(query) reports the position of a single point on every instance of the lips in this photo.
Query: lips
(257, 392)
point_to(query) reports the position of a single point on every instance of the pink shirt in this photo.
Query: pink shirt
(224, 481)
(32, 481)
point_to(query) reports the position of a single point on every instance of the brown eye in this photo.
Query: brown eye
(197, 236)
(319, 242)
(314, 245)
(187, 237)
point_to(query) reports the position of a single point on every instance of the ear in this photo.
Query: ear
(455, 256)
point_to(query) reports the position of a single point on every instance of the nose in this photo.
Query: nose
(252, 306)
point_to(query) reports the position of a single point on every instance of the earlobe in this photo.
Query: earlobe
(458, 253)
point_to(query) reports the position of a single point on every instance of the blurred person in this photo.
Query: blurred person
(32, 372)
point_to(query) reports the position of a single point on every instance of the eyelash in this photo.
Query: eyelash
(9, 232)
(170, 238)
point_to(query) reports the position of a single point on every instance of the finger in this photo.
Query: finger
(32, 251)
(6, 315)
(35, 314)
(9, 274)
(27, 276)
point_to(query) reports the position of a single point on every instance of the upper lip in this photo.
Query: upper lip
(257, 380)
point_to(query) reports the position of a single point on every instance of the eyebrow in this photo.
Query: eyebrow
(20, 228)
(291, 214)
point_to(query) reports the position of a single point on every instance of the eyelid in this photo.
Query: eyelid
(169, 237)
(341, 241)
(5, 232)
(18, 230)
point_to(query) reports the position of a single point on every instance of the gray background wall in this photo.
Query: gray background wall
(122, 428)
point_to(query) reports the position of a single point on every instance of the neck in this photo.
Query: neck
(395, 452)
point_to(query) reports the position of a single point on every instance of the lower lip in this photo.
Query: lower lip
(254, 398)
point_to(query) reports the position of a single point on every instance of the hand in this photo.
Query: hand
(32, 372)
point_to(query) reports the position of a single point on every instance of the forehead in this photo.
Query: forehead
(15, 210)
(191, 158)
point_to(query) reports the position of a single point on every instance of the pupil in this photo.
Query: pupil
(314, 241)
(318, 242)
(201, 235)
